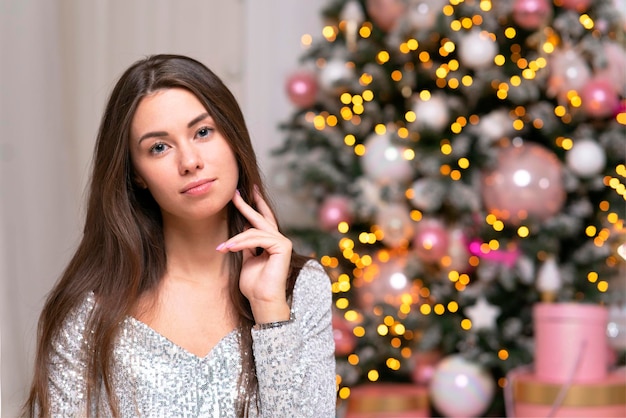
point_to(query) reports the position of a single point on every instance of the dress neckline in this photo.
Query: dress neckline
(152, 332)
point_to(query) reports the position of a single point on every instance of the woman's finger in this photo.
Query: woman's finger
(263, 207)
(261, 218)
(251, 239)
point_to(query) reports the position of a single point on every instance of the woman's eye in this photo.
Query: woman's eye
(158, 148)
(204, 132)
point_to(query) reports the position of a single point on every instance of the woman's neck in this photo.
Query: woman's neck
(191, 254)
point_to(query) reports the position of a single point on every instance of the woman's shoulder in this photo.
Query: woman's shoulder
(313, 264)
(86, 304)
(79, 315)
(312, 278)
(313, 270)
(71, 337)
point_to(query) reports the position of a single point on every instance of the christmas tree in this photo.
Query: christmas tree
(463, 160)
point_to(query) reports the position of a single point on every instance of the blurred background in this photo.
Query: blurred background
(58, 63)
(458, 166)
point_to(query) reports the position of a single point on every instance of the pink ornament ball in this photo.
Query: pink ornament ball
(385, 13)
(335, 209)
(458, 251)
(384, 282)
(599, 98)
(345, 340)
(422, 14)
(527, 182)
(430, 242)
(621, 108)
(615, 69)
(396, 225)
(568, 71)
(302, 89)
(577, 5)
(531, 14)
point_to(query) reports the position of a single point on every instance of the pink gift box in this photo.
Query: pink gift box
(534, 398)
(570, 342)
(388, 400)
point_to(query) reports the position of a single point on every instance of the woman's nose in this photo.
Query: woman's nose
(190, 159)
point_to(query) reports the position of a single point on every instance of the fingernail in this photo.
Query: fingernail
(238, 192)
(221, 246)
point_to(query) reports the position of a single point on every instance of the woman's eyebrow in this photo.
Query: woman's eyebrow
(151, 135)
(197, 119)
(163, 133)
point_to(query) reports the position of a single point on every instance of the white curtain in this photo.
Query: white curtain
(37, 190)
(58, 62)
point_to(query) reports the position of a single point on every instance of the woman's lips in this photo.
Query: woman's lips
(197, 187)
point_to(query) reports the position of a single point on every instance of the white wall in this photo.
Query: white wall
(58, 61)
(274, 29)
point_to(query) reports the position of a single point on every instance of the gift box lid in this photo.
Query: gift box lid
(527, 388)
(570, 310)
(387, 397)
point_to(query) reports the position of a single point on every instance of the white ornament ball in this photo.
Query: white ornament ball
(432, 113)
(384, 161)
(428, 194)
(586, 158)
(496, 125)
(334, 74)
(460, 388)
(477, 50)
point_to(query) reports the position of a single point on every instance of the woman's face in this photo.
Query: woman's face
(180, 157)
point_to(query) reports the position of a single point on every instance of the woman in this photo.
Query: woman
(183, 297)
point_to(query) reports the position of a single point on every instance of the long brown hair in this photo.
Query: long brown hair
(122, 254)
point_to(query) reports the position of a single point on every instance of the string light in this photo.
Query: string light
(344, 392)
(330, 33)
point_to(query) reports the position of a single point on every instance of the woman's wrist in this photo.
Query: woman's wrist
(271, 313)
(275, 324)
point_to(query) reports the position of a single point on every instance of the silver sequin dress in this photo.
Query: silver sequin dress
(154, 377)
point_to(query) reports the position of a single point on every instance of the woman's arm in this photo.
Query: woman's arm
(67, 369)
(295, 362)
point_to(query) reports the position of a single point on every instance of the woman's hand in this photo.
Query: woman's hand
(263, 277)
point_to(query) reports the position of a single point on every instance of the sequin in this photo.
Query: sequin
(154, 377)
